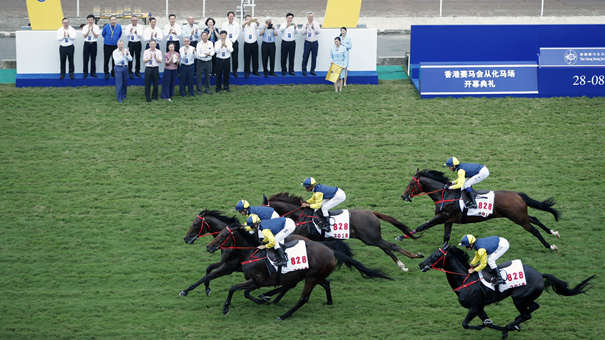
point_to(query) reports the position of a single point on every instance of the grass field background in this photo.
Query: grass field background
(96, 197)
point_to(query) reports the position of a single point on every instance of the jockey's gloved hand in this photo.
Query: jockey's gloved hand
(447, 185)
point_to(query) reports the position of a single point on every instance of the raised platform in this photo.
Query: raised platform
(52, 79)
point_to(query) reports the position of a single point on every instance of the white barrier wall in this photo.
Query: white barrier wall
(38, 51)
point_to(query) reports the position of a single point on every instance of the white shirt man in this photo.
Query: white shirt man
(222, 49)
(134, 34)
(249, 29)
(204, 52)
(152, 32)
(66, 35)
(90, 32)
(192, 31)
(310, 30)
(233, 30)
(172, 32)
(288, 44)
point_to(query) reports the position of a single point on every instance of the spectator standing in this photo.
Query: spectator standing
(348, 44)
(172, 32)
(339, 56)
(186, 74)
(288, 44)
(121, 57)
(268, 34)
(66, 36)
(90, 32)
(250, 46)
(232, 28)
(310, 30)
(111, 35)
(152, 58)
(152, 32)
(192, 31)
(134, 34)
(223, 49)
(171, 61)
(204, 53)
(213, 36)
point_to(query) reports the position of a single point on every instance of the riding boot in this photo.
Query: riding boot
(325, 223)
(281, 257)
(498, 280)
(471, 203)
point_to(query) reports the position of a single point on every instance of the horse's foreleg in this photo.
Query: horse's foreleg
(537, 222)
(223, 269)
(304, 297)
(260, 301)
(244, 285)
(437, 219)
(209, 270)
(447, 231)
(472, 313)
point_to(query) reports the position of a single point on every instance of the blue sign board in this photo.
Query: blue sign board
(572, 57)
(478, 79)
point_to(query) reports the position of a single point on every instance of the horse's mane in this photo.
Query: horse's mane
(220, 216)
(435, 175)
(252, 239)
(460, 254)
(286, 197)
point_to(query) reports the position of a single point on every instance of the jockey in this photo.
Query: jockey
(324, 197)
(275, 231)
(475, 174)
(487, 251)
(264, 213)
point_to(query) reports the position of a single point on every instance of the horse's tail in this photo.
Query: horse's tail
(339, 245)
(363, 270)
(561, 287)
(406, 230)
(545, 205)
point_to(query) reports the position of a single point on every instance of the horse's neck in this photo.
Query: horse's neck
(292, 210)
(430, 185)
(216, 226)
(455, 266)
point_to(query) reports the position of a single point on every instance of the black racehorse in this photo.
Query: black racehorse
(210, 223)
(472, 294)
(508, 204)
(322, 262)
(364, 225)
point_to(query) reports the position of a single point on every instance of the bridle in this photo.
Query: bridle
(204, 223)
(421, 191)
(251, 258)
(464, 284)
(299, 216)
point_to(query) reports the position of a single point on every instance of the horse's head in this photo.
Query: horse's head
(413, 187)
(225, 238)
(436, 259)
(198, 228)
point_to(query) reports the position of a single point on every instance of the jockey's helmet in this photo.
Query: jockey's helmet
(253, 219)
(452, 161)
(308, 182)
(241, 205)
(467, 240)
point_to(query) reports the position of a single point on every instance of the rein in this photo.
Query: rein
(234, 242)
(202, 227)
(464, 284)
(299, 217)
(432, 192)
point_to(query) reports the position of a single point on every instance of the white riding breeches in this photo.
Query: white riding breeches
(338, 198)
(502, 248)
(483, 174)
(288, 229)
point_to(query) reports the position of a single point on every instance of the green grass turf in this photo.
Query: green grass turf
(96, 197)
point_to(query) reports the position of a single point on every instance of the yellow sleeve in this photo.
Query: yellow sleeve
(458, 183)
(315, 200)
(248, 229)
(480, 256)
(269, 238)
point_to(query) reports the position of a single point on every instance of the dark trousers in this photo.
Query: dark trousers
(222, 73)
(310, 48)
(66, 53)
(268, 52)
(121, 82)
(135, 52)
(203, 68)
(234, 57)
(194, 45)
(168, 83)
(152, 74)
(186, 79)
(287, 52)
(90, 52)
(107, 52)
(250, 52)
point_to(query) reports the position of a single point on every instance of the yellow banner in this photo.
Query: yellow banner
(45, 14)
(341, 13)
(333, 73)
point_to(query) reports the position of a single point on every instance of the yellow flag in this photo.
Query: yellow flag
(341, 13)
(45, 14)
(333, 73)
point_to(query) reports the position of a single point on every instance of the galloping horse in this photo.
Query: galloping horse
(474, 296)
(509, 204)
(364, 225)
(321, 260)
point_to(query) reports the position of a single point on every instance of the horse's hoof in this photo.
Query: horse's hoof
(398, 238)
(264, 298)
(279, 319)
(518, 328)
(225, 311)
(553, 247)
(420, 255)
(208, 290)
(555, 233)
(183, 293)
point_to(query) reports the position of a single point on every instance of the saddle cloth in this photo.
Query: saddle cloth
(512, 272)
(485, 205)
(339, 225)
(296, 255)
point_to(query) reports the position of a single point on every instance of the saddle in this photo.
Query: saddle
(271, 253)
(488, 274)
